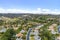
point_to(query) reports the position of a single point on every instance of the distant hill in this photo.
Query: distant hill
(11, 15)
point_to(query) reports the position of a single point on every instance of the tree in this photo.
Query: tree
(19, 29)
(8, 35)
(46, 34)
(1, 22)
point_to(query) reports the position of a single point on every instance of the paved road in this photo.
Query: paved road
(30, 29)
(28, 34)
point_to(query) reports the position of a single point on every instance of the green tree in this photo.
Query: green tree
(19, 29)
(8, 35)
(1, 22)
(46, 34)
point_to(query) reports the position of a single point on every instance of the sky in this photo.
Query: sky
(30, 6)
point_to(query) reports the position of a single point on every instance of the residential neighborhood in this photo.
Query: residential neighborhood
(30, 27)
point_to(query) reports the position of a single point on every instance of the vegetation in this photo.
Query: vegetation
(8, 35)
(14, 23)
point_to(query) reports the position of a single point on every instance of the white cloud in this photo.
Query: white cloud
(38, 10)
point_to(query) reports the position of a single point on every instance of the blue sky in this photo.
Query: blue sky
(30, 4)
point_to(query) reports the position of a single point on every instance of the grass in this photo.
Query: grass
(31, 38)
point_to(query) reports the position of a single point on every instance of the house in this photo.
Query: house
(3, 29)
(37, 38)
(54, 25)
(18, 39)
(19, 35)
(22, 31)
(52, 28)
(58, 38)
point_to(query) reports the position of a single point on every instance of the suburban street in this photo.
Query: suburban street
(28, 34)
(35, 33)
